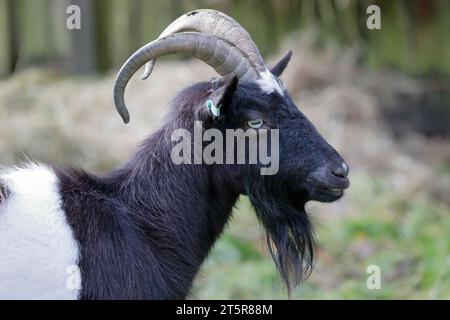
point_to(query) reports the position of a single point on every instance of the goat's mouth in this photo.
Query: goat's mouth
(325, 193)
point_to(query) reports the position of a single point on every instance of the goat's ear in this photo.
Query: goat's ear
(279, 67)
(227, 91)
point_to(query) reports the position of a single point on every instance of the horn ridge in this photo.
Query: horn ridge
(220, 54)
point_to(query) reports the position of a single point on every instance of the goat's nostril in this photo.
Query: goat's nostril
(341, 171)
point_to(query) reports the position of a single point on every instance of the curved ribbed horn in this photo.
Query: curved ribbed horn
(218, 24)
(224, 57)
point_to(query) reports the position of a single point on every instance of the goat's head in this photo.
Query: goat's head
(250, 95)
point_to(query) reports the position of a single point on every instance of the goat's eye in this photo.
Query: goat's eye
(255, 124)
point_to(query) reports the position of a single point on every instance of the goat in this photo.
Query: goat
(143, 230)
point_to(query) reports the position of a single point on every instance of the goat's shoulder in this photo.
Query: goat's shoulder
(84, 189)
(88, 199)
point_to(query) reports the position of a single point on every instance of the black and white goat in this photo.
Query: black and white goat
(142, 231)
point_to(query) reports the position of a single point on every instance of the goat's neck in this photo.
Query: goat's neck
(187, 204)
(148, 225)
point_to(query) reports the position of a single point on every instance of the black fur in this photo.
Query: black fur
(145, 229)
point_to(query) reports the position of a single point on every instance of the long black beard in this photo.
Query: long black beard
(290, 236)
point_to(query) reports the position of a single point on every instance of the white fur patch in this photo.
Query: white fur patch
(268, 83)
(38, 251)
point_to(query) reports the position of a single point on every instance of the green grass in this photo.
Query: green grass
(407, 236)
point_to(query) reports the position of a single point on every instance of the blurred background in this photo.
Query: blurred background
(380, 97)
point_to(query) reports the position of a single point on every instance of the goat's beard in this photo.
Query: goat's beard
(289, 233)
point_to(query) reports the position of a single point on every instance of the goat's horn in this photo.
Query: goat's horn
(218, 24)
(224, 57)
